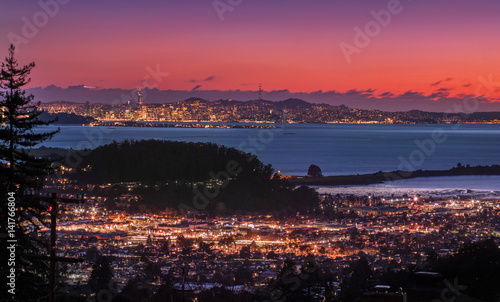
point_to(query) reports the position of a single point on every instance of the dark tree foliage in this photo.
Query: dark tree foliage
(473, 272)
(288, 283)
(312, 275)
(297, 286)
(245, 252)
(92, 254)
(101, 275)
(19, 117)
(152, 270)
(314, 171)
(204, 247)
(221, 294)
(272, 255)
(303, 197)
(136, 290)
(166, 292)
(173, 173)
(477, 267)
(358, 281)
(159, 162)
(243, 275)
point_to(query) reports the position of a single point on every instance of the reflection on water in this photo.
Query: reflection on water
(481, 187)
(472, 182)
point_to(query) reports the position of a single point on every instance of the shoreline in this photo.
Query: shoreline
(163, 124)
(381, 177)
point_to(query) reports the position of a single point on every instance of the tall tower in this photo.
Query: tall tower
(260, 91)
(139, 93)
(87, 107)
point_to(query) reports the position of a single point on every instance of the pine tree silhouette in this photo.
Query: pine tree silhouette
(20, 171)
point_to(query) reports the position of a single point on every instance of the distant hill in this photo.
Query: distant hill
(288, 103)
(193, 99)
(293, 103)
(298, 110)
(66, 118)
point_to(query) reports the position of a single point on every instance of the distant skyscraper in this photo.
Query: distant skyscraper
(87, 108)
(139, 93)
(260, 91)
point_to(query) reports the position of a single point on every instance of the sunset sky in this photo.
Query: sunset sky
(433, 48)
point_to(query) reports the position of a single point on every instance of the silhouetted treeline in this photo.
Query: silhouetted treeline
(473, 271)
(159, 162)
(174, 173)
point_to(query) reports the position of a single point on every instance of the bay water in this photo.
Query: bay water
(338, 149)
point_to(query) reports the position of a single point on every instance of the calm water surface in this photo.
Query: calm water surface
(336, 149)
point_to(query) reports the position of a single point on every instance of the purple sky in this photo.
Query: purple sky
(386, 54)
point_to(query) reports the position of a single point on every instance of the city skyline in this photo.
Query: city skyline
(377, 54)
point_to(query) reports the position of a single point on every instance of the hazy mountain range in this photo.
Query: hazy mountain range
(368, 99)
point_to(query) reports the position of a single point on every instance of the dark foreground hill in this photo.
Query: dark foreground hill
(199, 176)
